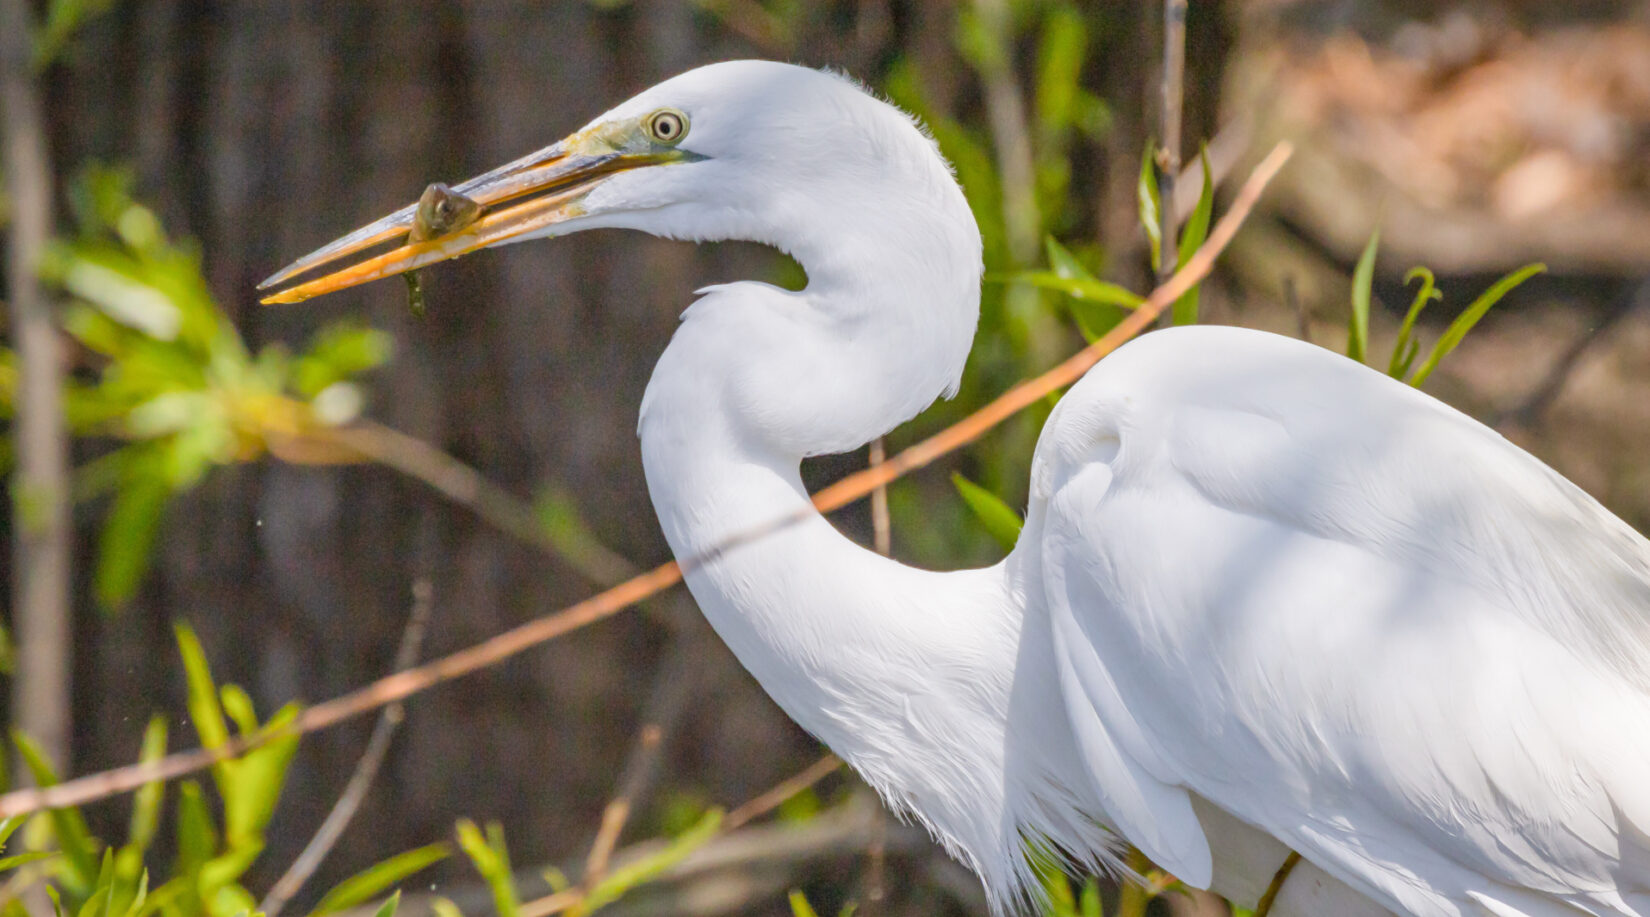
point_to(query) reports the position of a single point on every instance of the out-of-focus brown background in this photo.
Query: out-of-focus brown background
(1479, 135)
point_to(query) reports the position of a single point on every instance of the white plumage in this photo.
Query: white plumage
(1266, 598)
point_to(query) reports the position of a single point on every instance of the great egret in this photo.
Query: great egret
(1265, 597)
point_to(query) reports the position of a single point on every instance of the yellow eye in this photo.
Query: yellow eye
(667, 125)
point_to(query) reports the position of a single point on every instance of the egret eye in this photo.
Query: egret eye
(667, 125)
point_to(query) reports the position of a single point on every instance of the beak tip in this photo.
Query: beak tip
(282, 298)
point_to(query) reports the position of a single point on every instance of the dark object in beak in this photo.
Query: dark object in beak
(442, 212)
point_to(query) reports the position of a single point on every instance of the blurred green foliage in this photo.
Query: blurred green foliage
(218, 835)
(177, 392)
(173, 380)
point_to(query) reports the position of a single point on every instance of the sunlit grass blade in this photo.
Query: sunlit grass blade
(204, 712)
(1404, 351)
(1363, 279)
(374, 879)
(1464, 322)
(1000, 520)
(492, 859)
(387, 909)
(1191, 239)
(799, 904)
(623, 878)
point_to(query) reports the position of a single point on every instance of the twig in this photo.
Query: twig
(775, 796)
(671, 688)
(756, 807)
(467, 487)
(1527, 412)
(882, 533)
(1264, 906)
(605, 604)
(1168, 155)
(366, 770)
(882, 530)
(41, 556)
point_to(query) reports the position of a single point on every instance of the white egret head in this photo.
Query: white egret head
(738, 150)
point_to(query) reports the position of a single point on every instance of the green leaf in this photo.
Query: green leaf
(253, 786)
(492, 860)
(204, 711)
(800, 906)
(1363, 278)
(444, 907)
(97, 904)
(374, 879)
(387, 909)
(140, 896)
(146, 804)
(1191, 239)
(1075, 287)
(1151, 207)
(126, 543)
(68, 824)
(197, 837)
(222, 870)
(21, 859)
(1064, 264)
(1404, 351)
(624, 878)
(1088, 903)
(1457, 331)
(9, 826)
(338, 353)
(238, 705)
(63, 19)
(1000, 520)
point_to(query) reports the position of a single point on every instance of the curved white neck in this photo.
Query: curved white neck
(909, 675)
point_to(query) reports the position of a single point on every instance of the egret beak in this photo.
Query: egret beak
(532, 193)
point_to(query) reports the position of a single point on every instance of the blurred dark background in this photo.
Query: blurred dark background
(1480, 136)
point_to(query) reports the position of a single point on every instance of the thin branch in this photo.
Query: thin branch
(40, 490)
(366, 769)
(606, 604)
(775, 796)
(672, 687)
(1168, 155)
(882, 532)
(467, 487)
(1528, 412)
(882, 529)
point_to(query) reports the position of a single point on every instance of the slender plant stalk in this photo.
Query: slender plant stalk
(40, 491)
(502, 646)
(366, 769)
(876, 853)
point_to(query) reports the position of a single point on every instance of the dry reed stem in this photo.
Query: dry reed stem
(366, 769)
(402, 685)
